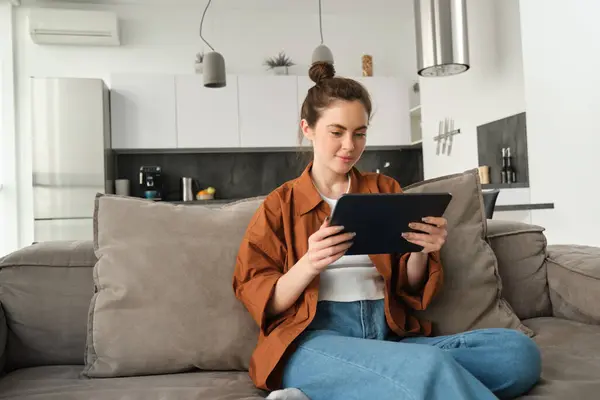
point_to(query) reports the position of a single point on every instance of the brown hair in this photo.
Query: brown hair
(329, 88)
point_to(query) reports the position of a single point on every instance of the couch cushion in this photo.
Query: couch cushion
(65, 382)
(471, 294)
(45, 291)
(570, 359)
(521, 252)
(164, 274)
(574, 282)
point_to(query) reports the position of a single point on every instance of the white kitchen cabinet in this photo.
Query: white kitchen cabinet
(206, 118)
(304, 83)
(268, 111)
(143, 111)
(390, 121)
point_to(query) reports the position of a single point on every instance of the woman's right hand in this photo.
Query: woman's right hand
(325, 246)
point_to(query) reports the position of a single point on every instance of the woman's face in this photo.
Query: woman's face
(339, 136)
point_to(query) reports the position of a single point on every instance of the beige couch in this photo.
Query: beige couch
(45, 291)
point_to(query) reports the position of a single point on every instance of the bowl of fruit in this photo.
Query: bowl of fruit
(206, 194)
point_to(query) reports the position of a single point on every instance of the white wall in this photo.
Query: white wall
(165, 39)
(561, 57)
(490, 90)
(8, 177)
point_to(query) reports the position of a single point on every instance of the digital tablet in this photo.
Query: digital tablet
(379, 219)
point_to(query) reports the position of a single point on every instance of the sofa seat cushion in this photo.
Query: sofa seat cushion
(65, 382)
(570, 359)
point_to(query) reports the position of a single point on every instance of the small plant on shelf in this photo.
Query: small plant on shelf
(280, 63)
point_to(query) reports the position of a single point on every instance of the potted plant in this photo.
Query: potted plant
(279, 64)
(198, 62)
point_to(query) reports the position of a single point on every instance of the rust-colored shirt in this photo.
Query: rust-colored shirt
(277, 237)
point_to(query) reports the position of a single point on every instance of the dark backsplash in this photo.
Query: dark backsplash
(506, 132)
(241, 175)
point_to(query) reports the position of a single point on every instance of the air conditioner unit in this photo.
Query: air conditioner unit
(74, 27)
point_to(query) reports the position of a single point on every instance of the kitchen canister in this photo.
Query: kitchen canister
(187, 192)
(122, 187)
(484, 174)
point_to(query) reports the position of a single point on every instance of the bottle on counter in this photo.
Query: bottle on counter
(511, 173)
(504, 170)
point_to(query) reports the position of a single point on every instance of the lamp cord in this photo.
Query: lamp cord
(320, 22)
(202, 22)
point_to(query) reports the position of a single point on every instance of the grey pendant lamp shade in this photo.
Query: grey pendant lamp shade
(322, 53)
(442, 37)
(213, 73)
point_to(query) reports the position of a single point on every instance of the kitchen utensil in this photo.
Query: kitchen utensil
(187, 191)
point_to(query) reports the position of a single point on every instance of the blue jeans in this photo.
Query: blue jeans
(348, 352)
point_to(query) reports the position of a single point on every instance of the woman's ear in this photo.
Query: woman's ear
(307, 131)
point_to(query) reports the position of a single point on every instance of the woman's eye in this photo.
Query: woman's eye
(361, 134)
(336, 133)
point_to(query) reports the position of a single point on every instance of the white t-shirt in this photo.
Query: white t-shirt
(350, 278)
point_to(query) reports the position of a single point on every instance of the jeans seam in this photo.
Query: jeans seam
(394, 383)
(362, 319)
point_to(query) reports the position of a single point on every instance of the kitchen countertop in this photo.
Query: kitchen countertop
(204, 202)
(522, 207)
(500, 208)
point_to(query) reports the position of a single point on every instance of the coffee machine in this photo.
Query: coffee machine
(151, 182)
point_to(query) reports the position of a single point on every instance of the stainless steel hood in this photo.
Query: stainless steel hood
(442, 37)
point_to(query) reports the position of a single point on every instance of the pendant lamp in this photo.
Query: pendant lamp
(322, 52)
(442, 37)
(213, 72)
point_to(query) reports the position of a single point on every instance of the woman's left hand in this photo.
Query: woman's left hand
(431, 236)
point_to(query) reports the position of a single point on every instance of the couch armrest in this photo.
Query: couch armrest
(574, 282)
(521, 253)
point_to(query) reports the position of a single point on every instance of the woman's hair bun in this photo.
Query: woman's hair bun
(320, 71)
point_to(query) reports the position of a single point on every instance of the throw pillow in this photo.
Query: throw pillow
(471, 293)
(163, 301)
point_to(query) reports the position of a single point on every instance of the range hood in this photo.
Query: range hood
(442, 37)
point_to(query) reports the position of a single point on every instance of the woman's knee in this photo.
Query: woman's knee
(432, 359)
(522, 362)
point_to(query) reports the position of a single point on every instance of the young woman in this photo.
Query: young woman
(341, 327)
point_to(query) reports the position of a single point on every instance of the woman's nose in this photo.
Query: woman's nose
(348, 142)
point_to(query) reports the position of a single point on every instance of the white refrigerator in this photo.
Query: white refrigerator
(72, 157)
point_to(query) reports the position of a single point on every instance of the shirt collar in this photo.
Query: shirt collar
(307, 197)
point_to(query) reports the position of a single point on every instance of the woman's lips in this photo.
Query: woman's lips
(346, 159)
